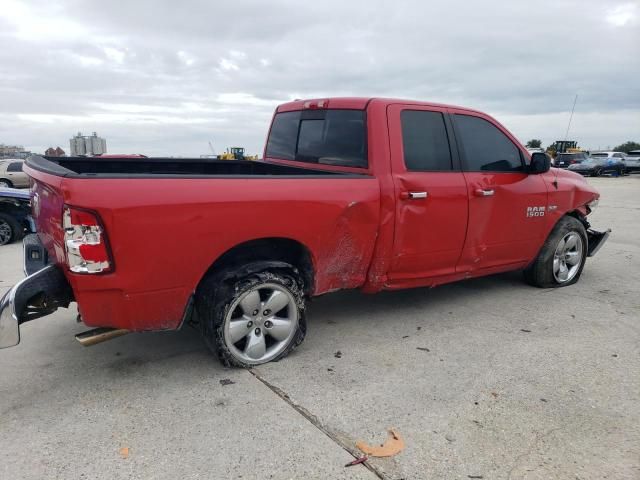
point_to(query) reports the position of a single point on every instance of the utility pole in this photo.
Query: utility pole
(571, 117)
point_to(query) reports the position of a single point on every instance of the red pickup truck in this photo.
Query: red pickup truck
(368, 193)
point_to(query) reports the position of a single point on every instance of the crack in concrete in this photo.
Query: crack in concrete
(339, 439)
(530, 450)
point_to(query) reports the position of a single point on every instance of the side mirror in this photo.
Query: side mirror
(540, 163)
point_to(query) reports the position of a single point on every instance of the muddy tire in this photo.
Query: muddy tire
(562, 257)
(253, 319)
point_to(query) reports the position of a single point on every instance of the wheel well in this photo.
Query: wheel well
(578, 215)
(269, 249)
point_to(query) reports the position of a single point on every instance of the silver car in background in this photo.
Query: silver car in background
(632, 161)
(11, 174)
(613, 161)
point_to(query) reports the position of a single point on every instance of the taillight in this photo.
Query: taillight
(85, 242)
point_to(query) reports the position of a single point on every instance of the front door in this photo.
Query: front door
(507, 206)
(431, 194)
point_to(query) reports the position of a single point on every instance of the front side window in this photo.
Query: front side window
(424, 141)
(329, 137)
(14, 167)
(486, 148)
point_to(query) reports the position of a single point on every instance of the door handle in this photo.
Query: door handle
(413, 195)
(484, 193)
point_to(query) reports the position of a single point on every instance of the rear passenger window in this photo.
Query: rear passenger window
(283, 136)
(485, 147)
(15, 167)
(424, 141)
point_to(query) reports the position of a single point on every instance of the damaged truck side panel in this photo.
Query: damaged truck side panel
(164, 240)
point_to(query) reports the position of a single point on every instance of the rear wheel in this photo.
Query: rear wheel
(4, 183)
(252, 320)
(10, 230)
(562, 258)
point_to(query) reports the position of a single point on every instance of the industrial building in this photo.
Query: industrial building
(54, 152)
(87, 145)
(11, 151)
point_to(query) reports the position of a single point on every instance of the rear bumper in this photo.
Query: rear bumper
(37, 295)
(595, 240)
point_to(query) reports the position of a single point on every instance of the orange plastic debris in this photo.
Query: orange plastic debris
(392, 446)
(124, 452)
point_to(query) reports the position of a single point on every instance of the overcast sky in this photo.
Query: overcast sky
(167, 77)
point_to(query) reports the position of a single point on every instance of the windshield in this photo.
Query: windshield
(330, 137)
(599, 155)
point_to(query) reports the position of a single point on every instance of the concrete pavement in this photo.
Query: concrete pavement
(487, 378)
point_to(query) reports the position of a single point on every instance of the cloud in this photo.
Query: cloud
(622, 15)
(164, 78)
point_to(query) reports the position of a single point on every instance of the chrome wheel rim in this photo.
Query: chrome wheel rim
(567, 257)
(5, 232)
(4, 184)
(261, 323)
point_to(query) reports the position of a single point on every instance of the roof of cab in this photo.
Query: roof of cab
(355, 103)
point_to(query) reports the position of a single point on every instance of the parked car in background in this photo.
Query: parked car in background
(15, 215)
(535, 149)
(595, 166)
(11, 174)
(614, 161)
(563, 160)
(632, 161)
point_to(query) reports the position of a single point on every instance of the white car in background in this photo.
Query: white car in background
(536, 149)
(632, 161)
(11, 174)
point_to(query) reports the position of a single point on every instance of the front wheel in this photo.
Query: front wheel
(252, 320)
(562, 258)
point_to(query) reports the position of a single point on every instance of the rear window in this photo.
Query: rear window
(572, 156)
(599, 155)
(330, 137)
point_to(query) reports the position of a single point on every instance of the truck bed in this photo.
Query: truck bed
(83, 167)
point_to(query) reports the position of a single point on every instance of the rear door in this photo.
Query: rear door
(507, 206)
(431, 194)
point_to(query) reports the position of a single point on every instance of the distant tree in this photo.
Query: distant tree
(534, 143)
(627, 147)
(551, 150)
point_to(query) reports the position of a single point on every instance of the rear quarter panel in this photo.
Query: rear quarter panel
(166, 233)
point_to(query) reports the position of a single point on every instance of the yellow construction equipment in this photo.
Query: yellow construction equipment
(236, 153)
